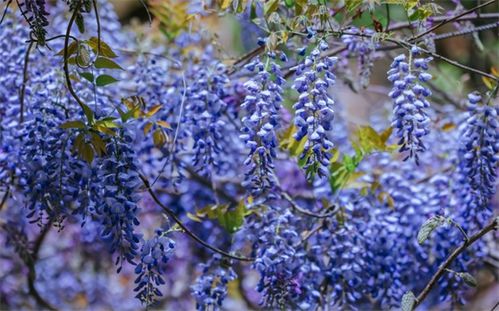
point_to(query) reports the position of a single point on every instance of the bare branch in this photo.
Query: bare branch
(491, 226)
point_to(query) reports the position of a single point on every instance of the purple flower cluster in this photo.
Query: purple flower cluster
(363, 48)
(288, 275)
(154, 254)
(114, 195)
(205, 111)
(262, 104)
(314, 109)
(479, 148)
(210, 288)
(410, 118)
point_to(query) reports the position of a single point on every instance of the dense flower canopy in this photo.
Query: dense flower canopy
(160, 166)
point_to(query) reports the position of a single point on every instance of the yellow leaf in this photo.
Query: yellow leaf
(147, 128)
(159, 138)
(385, 197)
(194, 217)
(72, 47)
(225, 4)
(164, 124)
(488, 83)
(105, 49)
(336, 155)
(104, 129)
(153, 110)
(448, 126)
(386, 134)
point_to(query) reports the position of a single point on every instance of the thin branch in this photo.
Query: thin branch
(296, 207)
(388, 18)
(207, 183)
(407, 45)
(31, 278)
(53, 38)
(22, 91)
(458, 64)
(460, 228)
(66, 56)
(450, 20)
(488, 228)
(466, 31)
(97, 20)
(5, 11)
(4, 198)
(401, 25)
(243, 59)
(175, 218)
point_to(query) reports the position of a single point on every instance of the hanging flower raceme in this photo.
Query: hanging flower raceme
(210, 288)
(154, 255)
(363, 48)
(410, 118)
(262, 104)
(114, 196)
(314, 110)
(205, 110)
(479, 148)
(44, 162)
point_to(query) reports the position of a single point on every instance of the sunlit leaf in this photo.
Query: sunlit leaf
(87, 76)
(105, 49)
(153, 110)
(104, 80)
(102, 62)
(147, 127)
(73, 125)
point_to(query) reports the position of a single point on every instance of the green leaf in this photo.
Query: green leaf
(105, 49)
(232, 220)
(80, 22)
(352, 5)
(106, 122)
(99, 144)
(104, 80)
(73, 125)
(288, 142)
(468, 279)
(370, 141)
(88, 113)
(339, 176)
(289, 3)
(349, 163)
(86, 153)
(428, 227)
(87, 76)
(253, 14)
(102, 62)
(270, 7)
(408, 301)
